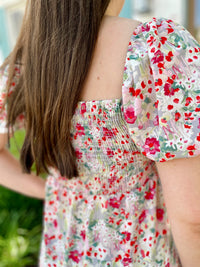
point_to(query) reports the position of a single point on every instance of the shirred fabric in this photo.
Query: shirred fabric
(113, 213)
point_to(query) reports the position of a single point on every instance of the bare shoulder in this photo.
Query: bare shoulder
(127, 22)
(118, 24)
(108, 59)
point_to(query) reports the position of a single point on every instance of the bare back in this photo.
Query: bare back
(104, 80)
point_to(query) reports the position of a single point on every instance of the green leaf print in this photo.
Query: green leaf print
(175, 85)
(197, 92)
(152, 230)
(147, 100)
(95, 244)
(134, 57)
(165, 147)
(159, 262)
(78, 219)
(92, 224)
(88, 259)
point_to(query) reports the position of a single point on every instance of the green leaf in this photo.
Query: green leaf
(92, 224)
(147, 100)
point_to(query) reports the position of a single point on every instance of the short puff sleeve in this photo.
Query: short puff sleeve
(3, 95)
(161, 90)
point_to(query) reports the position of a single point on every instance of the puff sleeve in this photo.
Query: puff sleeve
(161, 90)
(3, 96)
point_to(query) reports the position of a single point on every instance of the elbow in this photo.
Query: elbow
(2, 148)
(194, 221)
(3, 142)
(191, 219)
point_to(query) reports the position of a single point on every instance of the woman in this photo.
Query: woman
(117, 129)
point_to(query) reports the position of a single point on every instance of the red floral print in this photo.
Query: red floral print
(107, 133)
(159, 57)
(151, 145)
(160, 214)
(142, 216)
(75, 256)
(114, 202)
(80, 129)
(130, 115)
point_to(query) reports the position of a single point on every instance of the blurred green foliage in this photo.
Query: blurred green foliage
(20, 223)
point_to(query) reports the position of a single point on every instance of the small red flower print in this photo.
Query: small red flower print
(152, 145)
(177, 116)
(132, 91)
(191, 147)
(127, 235)
(48, 238)
(198, 99)
(119, 257)
(170, 107)
(146, 28)
(110, 153)
(169, 56)
(130, 115)
(137, 92)
(169, 155)
(142, 253)
(80, 129)
(159, 82)
(187, 126)
(83, 234)
(163, 40)
(142, 216)
(107, 133)
(83, 108)
(126, 261)
(170, 30)
(75, 256)
(176, 100)
(55, 223)
(149, 195)
(54, 258)
(78, 153)
(156, 104)
(114, 202)
(188, 116)
(169, 91)
(143, 84)
(188, 101)
(156, 121)
(112, 179)
(160, 214)
(158, 57)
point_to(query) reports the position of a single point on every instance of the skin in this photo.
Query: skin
(115, 7)
(180, 178)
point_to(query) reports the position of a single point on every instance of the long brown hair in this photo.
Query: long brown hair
(54, 49)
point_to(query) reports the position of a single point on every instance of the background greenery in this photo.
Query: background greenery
(20, 223)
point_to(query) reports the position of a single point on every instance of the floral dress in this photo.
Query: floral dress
(113, 213)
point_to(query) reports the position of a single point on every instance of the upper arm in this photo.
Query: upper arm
(180, 180)
(161, 105)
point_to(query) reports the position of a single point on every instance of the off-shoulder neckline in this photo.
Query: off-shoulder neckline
(114, 100)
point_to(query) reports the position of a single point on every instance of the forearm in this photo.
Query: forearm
(187, 240)
(13, 178)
